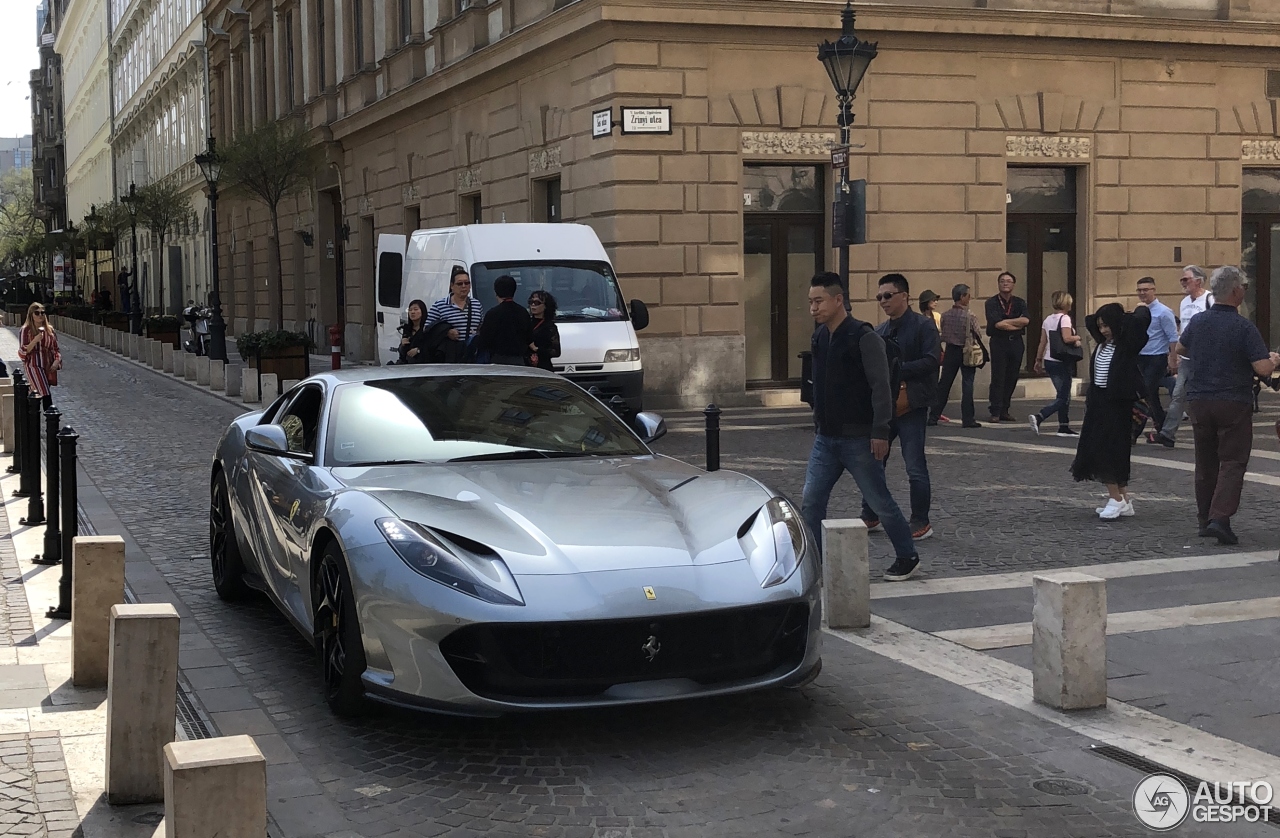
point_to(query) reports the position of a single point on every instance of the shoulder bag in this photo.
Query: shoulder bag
(974, 353)
(1062, 351)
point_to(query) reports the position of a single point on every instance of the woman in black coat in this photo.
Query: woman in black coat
(546, 337)
(413, 340)
(1106, 437)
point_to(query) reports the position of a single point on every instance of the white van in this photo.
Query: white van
(598, 345)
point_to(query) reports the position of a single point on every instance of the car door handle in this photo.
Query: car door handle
(379, 318)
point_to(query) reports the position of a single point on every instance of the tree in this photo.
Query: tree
(162, 208)
(271, 163)
(22, 232)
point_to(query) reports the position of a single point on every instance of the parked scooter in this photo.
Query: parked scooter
(197, 318)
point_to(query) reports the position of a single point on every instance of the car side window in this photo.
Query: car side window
(300, 419)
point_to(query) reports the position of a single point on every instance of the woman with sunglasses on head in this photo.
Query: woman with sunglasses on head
(546, 337)
(41, 359)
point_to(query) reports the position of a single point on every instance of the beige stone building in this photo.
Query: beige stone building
(1080, 143)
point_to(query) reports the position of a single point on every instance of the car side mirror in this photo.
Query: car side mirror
(269, 439)
(650, 426)
(639, 315)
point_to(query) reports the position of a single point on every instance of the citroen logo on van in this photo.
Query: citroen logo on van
(651, 648)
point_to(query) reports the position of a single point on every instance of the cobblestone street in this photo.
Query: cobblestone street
(873, 748)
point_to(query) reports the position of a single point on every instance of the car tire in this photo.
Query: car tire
(337, 635)
(224, 550)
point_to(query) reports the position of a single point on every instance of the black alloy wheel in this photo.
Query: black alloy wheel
(224, 551)
(337, 635)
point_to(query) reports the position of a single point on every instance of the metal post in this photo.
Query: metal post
(70, 524)
(52, 533)
(713, 437)
(846, 119)
(217, 324)
(19, 399)
(31, 463)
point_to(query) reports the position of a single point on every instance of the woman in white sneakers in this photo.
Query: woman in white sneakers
(1060, 371)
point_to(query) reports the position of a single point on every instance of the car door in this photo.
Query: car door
(279, 483)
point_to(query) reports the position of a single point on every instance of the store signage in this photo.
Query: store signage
(601, 124)
(59, 272)
(646, 120)
(840, 157)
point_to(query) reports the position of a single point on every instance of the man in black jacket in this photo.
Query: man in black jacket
(1007, 319)
(852, 414)
(920, 355)
(507, 330)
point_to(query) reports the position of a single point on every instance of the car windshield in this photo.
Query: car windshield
(583, 290)
(471, 417)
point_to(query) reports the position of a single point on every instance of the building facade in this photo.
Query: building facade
(15, 153)
(48, 152)
(1081, 144)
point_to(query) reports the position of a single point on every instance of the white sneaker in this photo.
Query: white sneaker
(1127, 510)
(1112, 510)
(1035, 423)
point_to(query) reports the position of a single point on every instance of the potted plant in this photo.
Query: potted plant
(117, 320)
(165, 328)
(285, 353)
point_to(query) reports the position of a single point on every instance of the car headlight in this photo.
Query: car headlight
(484, 577)
(615, 356)
(774, 542)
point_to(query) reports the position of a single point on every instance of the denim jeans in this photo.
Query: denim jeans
(951, 364)
(832, 455)
(1060, 375)
(1178, 401)
(1154, 369)
(910, 429)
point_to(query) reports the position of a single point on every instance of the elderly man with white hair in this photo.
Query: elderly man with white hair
(1227, 351)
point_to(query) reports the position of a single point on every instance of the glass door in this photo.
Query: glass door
(1040, 241)
(1260, 259)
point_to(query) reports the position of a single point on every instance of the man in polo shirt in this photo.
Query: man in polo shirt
(1007, 321)
(1228, 351)
(1159, 355)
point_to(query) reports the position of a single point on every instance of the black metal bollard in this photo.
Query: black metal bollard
(70, 524)
(52, 534)
(19, 400)
(31, 464)
(713, 437)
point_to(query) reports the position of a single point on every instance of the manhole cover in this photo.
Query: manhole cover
(1061, 788)
(149, 818)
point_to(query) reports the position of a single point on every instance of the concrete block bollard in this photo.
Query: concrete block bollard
(6, 422)
(189, 365)
(215, 788)
(142, 697)
(97, 583)
(133, 346)
(288, 384)
(846, 569)
(1069, 640)
(166, 357)
(202, 370)
(270, 387)
(218, 375)
(249, 386)
(233, 374)
(157, 355)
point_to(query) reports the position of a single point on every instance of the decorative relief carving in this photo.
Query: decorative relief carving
(469, 179)
(806, 143)
(1265, 150)
(1059, 148)
(544, 160)
(366, 205)
(409, 194)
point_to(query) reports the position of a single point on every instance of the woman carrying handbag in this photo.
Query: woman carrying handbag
(1060, 349)
(39, 353)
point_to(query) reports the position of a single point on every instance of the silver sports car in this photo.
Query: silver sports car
(479, 540)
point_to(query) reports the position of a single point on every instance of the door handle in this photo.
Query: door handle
(378, 317)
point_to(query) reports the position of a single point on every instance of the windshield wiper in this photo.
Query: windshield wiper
(583, 316)
(518, 454)
(386, 463)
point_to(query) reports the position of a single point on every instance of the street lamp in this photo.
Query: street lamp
(846, 61)
(91, 237)
(211, 167)
(130, 203)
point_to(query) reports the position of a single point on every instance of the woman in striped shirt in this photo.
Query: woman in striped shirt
(39, 353)
(460, 310)
(1106, 435)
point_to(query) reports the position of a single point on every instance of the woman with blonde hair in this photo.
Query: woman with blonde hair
(39, 353)
(1060, 370)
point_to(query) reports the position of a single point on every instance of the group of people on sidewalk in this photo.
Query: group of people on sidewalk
(872, 385)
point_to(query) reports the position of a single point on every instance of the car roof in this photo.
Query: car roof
(359, 374)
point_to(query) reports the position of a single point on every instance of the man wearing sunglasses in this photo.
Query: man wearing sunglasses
(1007, 319)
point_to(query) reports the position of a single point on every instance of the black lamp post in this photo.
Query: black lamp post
(130, 203)
(91, 240)
(211, 167)
(846, 61)
(73, 236)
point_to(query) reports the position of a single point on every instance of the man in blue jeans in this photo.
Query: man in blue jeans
(1159, 355)
(920, 354)
(852, 412)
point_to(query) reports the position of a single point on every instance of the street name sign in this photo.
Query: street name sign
(646, 120)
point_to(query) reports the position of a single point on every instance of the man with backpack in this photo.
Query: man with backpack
(853, 407)
(914, 353)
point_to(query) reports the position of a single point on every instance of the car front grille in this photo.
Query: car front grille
(581, 659)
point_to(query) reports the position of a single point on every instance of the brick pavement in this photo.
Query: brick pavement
(35, 796)
(873, 748)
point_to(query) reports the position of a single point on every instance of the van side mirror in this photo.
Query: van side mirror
(639, 315)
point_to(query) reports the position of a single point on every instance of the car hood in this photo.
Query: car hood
(574, 515)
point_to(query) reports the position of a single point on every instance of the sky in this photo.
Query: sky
(19, 55)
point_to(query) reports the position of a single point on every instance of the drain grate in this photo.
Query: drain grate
(192, 724)
(1147, 766)
(1060, 787)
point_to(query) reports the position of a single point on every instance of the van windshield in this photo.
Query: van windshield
(583, 290)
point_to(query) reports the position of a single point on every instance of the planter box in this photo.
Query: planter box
(291, 362)
(173, 337)
(117, 320)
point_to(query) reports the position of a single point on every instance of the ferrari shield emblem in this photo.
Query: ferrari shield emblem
(648, 593)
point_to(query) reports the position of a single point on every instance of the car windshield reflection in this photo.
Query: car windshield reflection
(433, 419)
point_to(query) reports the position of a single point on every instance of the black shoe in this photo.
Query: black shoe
(1065, 430)
(1220, 529)
(932, 423)
(1004, 417)
(971, 425)
(1157, 438)
(902, 569)
(1205, 532)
